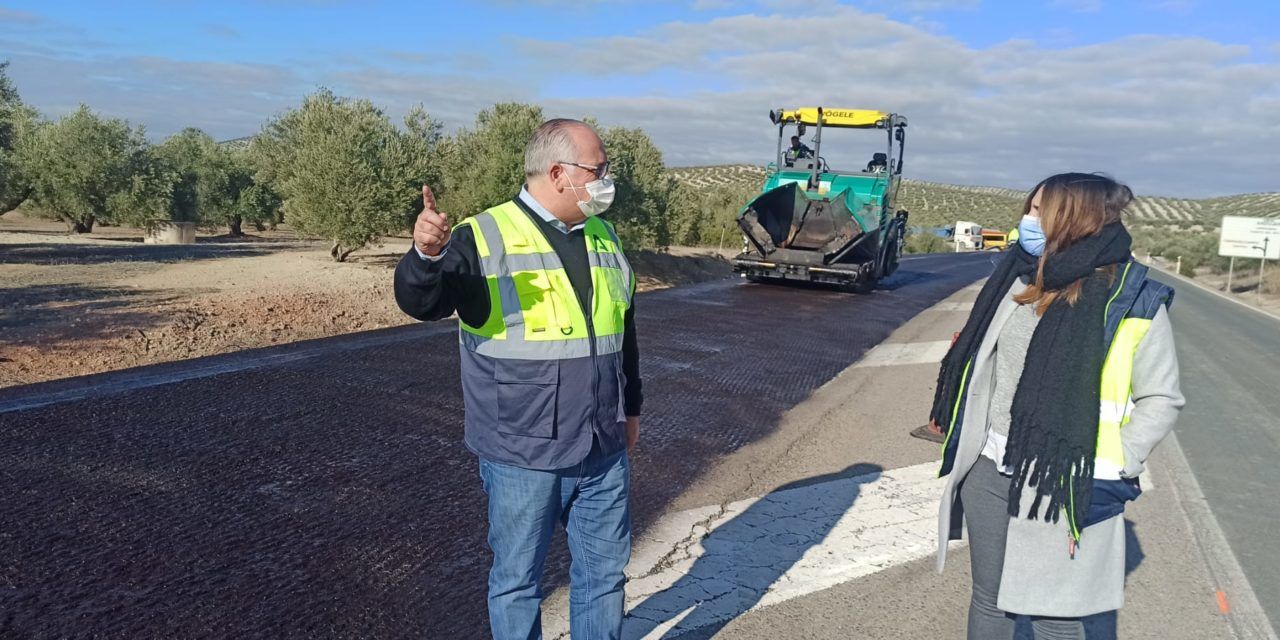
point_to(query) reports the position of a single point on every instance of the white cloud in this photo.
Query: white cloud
(1148, 109)
(926, 24)
(682, 44)
(895, 6)
(1152, 110)
(452, 98)
(940, 5)
(227, 100)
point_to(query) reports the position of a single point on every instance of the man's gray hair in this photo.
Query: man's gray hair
(549, 144)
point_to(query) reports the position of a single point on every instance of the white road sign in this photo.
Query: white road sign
(1245, 237)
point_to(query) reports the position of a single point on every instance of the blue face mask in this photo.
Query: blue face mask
(1030, 235)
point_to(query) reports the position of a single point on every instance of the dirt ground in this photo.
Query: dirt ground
(1244, 284)
(79, 305)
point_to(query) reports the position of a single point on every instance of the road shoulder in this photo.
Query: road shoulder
(1171, 583)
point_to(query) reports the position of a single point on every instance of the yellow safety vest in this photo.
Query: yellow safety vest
(1117, 391)
(534, 313)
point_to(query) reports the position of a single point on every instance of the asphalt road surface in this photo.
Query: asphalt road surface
(1230, 428)
(322, 490)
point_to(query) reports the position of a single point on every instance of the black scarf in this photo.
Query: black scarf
(1054, 430)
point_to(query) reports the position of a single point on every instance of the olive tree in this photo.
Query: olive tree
(646, 194)
(484, 166)
(200, 174)
(81, 167)
(344, 170)
(213, 184)
(17, 121)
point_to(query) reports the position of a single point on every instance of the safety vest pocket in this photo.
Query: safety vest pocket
(527, 391)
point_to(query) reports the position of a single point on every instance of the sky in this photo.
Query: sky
(1175, 97)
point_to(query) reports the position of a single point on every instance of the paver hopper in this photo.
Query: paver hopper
(821, 225)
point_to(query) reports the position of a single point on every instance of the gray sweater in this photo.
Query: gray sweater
(1011, 354)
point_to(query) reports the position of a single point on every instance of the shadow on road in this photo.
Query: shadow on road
(81, 254)
(742, 559)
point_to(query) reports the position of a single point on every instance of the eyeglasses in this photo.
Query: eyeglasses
(600, 171)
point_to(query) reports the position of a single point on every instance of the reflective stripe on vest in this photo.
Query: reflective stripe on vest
(534, 313)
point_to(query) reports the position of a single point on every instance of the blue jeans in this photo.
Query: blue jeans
(590, 499)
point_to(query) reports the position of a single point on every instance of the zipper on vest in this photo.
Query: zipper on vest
(591, 335)
(591, 331)
(1124, 276)
(1071, 510)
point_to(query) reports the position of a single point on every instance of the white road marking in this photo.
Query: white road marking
(709, 565)
(706, 566)
(1248, 619)
(885, 355)
(951, 306)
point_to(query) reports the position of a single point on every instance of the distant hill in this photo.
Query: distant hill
(727, 175)
(934, 204)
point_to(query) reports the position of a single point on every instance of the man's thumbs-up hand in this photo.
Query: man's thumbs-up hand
(431, 231)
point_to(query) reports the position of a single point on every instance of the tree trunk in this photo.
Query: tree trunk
(79, 226)
(234, 226)
(340, 254)
(257, 224)
(15, 200)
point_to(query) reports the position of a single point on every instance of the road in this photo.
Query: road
(321, 490)
(1230, 430)
(825, 527)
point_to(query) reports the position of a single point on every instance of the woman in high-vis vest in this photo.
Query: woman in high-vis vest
(1055, 393)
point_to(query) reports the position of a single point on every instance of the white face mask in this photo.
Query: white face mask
(599, 195)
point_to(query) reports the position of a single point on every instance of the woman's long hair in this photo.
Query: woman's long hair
(1072, 206)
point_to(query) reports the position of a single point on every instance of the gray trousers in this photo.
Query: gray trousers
(985, 494)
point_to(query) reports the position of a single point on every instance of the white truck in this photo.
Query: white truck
(968, 236)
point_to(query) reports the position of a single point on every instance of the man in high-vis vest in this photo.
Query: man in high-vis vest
(550, 374)
(797, 150)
